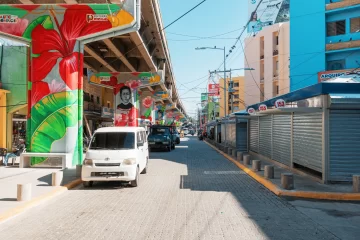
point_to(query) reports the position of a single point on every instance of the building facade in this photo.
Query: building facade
(325, 40)
(267, 52)
(235, 98)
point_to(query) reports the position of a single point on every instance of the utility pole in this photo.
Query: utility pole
(231, 93)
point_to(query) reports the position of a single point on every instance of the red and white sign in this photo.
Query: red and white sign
(280, 103)
(262, 107)
(213, 89)
(251, 111)
(96, 18)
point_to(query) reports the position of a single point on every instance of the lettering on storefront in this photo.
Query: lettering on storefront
(262, 107)
(280, 103)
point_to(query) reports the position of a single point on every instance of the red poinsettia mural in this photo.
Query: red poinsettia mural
(51, 45)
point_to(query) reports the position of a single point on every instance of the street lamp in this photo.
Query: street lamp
(223, 49)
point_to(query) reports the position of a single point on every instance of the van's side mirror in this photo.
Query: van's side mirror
(140, 144)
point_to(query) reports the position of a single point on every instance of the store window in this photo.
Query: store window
(335, 28)
(355, 25)
(336, 65)
(98, 100)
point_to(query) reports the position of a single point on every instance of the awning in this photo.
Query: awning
(345, 100)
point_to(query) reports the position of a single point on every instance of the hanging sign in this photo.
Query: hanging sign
(280, 103)
(251, 111)
(262, 107)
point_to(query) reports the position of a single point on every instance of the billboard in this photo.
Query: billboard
(213, 90)
(268, 13)
(327, 75)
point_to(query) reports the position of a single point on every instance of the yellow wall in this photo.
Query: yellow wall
(238, 91)
(3, 118)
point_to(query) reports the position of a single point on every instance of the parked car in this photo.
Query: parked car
(192, 132)
(186, 131)
(116, 154)
(160, 137)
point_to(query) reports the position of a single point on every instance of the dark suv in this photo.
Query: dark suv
(160, 137)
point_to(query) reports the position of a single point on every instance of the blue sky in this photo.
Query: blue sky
(213, 17)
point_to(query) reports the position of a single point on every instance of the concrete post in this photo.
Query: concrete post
(269, 172)
(256, 165)
(78, 170)
(24, 192)
(57, 178)
(287, 181)
(356, 183)
(247, 159)
(234, 151)
(239, 156)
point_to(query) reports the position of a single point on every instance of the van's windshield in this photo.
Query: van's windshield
(113, 141)
(160, 131)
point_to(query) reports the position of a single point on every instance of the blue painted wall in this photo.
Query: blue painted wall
(307, 42)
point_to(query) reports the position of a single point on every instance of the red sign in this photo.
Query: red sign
(213, 89)
(280, 103)
(262, 107)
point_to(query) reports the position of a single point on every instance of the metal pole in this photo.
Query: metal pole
(224, 83)
(232, 96)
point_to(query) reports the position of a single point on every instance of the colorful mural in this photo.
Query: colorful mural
(127, 105)
(55, 76)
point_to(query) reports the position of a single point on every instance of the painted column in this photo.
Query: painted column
(56, 67)
(3, 118)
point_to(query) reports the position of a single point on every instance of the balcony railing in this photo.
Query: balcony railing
(338, 4)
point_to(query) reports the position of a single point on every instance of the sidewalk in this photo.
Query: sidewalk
(305, 186)
(40, 178)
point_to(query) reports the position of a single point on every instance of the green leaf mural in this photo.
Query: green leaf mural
(6, 9)
(45, 21)
(148, 112)
(50, 118)
(104, 8)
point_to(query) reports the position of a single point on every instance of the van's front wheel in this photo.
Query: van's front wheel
(135, 182)
(88, 184)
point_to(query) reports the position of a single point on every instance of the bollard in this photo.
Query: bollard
(287, 181)
(229, 152)
(256, 165)
(356, 183)
(234, 152)
(269, 172)
(239, 156)
(247, 160)
(78, 170)
(24, 192)
(57, 178)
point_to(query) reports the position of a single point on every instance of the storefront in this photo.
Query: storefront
(315, 129)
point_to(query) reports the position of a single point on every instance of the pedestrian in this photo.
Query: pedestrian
(16, 152)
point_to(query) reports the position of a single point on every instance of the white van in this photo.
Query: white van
(116, 154)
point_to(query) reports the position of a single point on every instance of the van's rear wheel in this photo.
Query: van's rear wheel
(88, 184)
(144, 171)
(135, 182)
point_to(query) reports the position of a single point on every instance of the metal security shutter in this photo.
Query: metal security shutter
(265, 136)
(344, 144)
(281, 137)
(307, 137)
(241, 137)
(223, 133)
(254, 134)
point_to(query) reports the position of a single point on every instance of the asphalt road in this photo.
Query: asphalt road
(190, 193)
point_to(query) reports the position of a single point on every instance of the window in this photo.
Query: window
(336, 65)
(113, 141)
(98, 100)
(92, 98)
(277, 40)
(355, 25)
(277, 89)
(236, 84)
(140, 137)
(335, 28)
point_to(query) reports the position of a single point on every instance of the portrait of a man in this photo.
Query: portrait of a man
(125, 98)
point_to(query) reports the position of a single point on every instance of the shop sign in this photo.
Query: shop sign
(213, 89)
(7, 18)
(251, 111)
(107, 112)
(262, 107)
(280, 103)
(327, 75)
(96, 18)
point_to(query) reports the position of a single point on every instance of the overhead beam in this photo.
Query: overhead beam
(137, 39)
(151, 89)
(87, 65)
(119, 54)
(71, 1)
(98, 58)
(26, 1)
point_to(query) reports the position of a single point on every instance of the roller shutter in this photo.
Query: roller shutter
(307, 140)
(281, 135)
(254, 134)
(265, 136)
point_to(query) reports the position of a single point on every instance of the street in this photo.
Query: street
(192, 192)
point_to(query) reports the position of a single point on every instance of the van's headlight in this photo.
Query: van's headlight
(88, 162)
(129, 161)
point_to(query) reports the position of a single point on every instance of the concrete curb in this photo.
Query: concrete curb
(36, 201)
(334, 196)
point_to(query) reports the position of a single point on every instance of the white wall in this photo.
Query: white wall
(252, 52)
